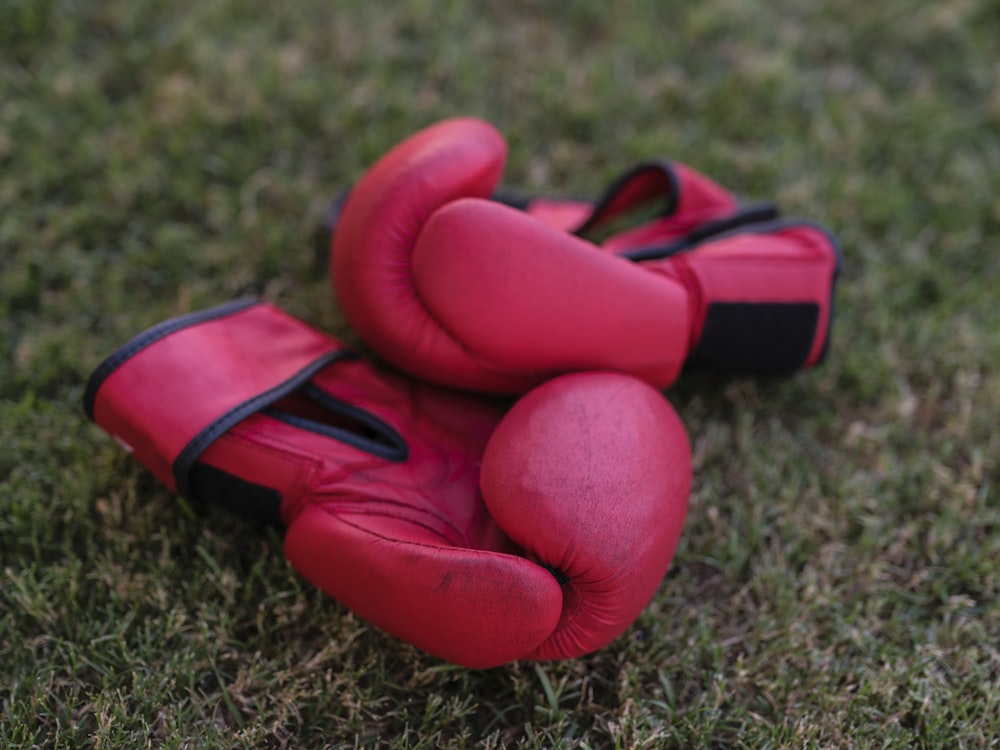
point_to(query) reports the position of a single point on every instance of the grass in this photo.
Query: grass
(837, 584)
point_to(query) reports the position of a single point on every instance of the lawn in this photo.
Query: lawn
(837, 584)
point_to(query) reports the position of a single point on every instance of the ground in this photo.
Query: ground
(837, 582)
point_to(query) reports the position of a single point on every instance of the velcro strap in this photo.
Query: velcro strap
(643, 183)
(760, 338)
(746, 215)
(172, 391)
(639, 186)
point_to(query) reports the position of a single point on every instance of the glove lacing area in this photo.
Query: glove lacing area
(307, 408)
(313, 409)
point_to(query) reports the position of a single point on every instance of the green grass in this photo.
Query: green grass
(837, 584)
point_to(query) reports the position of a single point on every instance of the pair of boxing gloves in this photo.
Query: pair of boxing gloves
(479, 535)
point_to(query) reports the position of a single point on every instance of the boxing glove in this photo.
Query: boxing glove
(468, 292)
(477, 536)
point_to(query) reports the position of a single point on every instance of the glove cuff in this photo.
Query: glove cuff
(762, 292)
(172, 391)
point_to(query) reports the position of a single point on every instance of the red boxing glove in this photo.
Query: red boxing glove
(472, 293)
(482, 539)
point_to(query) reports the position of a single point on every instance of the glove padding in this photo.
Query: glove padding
(479, 537)
(468, 292)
